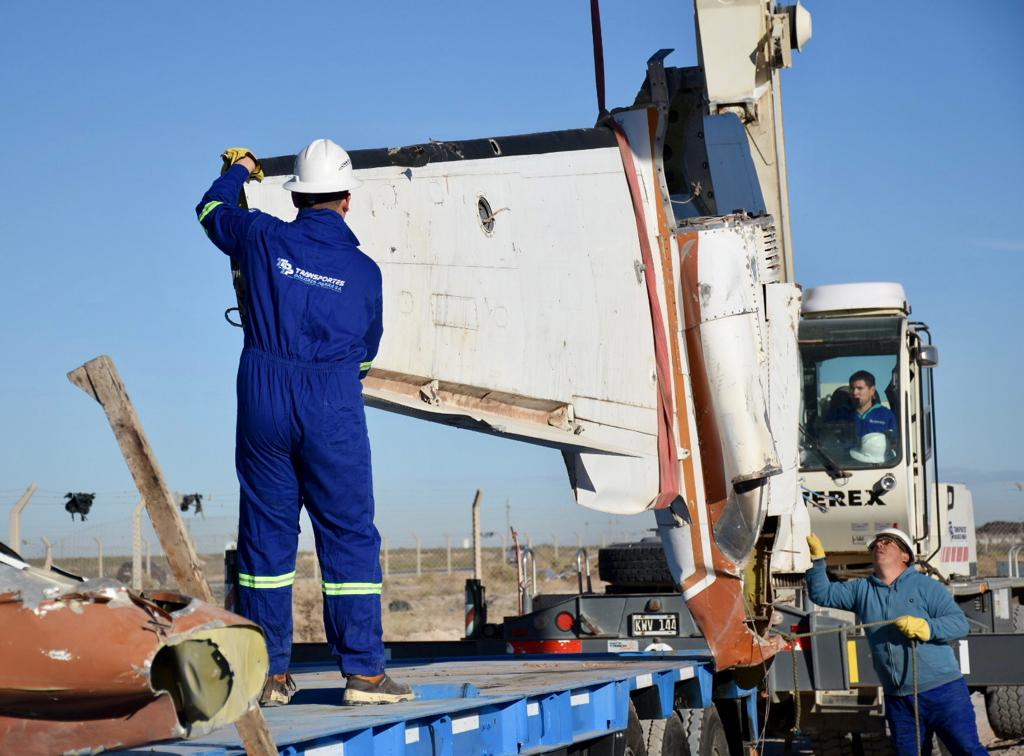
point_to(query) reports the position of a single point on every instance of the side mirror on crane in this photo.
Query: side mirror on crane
(927, 356)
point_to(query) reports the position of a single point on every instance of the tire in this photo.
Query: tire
(635, 565)
(687, 732)
(665, 737)
(1005, 708)
(636, 739)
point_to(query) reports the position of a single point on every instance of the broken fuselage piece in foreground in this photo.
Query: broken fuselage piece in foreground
(89, 665)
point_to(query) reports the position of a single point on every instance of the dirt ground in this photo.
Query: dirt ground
(427, 607)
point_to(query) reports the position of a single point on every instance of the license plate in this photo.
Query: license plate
(653, 624)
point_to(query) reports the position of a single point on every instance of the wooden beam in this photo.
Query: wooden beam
(100, 380)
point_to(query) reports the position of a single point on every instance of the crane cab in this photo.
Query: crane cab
(867, 430)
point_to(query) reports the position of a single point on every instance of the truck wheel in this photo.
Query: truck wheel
(636, 740)
(665, 737)
(635, 565)
(687, 732)
(1005, 708)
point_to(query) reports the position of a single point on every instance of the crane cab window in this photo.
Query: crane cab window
(850, 413)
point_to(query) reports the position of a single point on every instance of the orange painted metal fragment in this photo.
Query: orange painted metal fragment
(719, 609)
(91, 666)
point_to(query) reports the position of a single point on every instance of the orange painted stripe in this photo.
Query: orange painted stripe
(547, 647)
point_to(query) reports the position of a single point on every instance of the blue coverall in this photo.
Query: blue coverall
(944, 703)
(313, 325)
(878, 419)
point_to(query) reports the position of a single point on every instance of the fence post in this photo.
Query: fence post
(149, 559)
(99, 552)
(15, 532)
(478, 566)
(137, 546)
(49, 554)
(418, 565)
(387, 570)
(448, 540)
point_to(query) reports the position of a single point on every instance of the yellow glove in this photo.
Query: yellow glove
(817, 550)
(914, 627)
(233, 154)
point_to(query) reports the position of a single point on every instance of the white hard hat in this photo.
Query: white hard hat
(322, 168)
(898, 535)
(872, 448)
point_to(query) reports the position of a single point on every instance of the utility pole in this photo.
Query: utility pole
(137, 546)
(478, 564)
(99, 556)
(16, 516)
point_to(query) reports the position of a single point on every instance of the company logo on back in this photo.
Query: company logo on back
(296, 273)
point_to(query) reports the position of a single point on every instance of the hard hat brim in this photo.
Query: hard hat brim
(867, 458)
(326, 187)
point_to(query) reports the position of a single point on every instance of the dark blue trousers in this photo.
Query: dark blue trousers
(302, 441)
(945, 711)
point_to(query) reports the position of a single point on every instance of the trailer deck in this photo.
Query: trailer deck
(498, 705)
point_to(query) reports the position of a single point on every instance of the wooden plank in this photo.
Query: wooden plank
(100, 380)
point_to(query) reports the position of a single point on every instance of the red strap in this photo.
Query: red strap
(668, 458)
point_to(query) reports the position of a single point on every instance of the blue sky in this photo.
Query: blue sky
(904, 126)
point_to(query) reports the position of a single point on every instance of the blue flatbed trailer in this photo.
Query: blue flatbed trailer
(489, 705)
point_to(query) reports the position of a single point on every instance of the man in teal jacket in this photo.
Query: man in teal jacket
(921, 610)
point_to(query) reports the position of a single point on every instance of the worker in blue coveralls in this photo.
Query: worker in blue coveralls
(873, 422)
(865, 409)
(925, 619)
(312, 326)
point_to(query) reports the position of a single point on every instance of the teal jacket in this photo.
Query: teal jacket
(911, 593)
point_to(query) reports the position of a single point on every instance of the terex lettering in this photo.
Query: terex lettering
(851, 498)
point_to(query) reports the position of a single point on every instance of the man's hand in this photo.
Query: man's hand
(817, 550)
(914, 627)
(244, 157)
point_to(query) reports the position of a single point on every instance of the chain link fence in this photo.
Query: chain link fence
(424, 578)
(1001, 548)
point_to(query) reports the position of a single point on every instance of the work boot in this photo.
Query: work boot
(278, 690)
(379, 689)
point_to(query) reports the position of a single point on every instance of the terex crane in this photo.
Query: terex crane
(622, 294)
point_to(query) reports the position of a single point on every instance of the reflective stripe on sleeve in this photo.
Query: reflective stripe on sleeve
(364, 366)
(266, 581)
(208, 208)
(351, 589)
